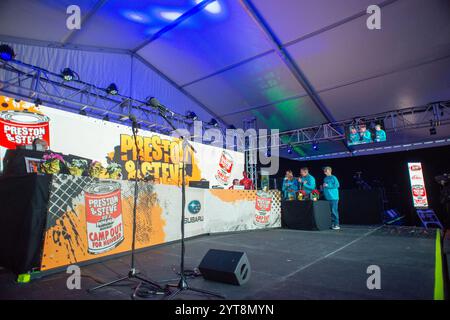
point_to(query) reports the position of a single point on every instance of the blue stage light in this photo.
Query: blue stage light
(170, 15)
(191, 115)
(213, 122)
(136, 16)
(6, 52)
(315, 146)
(289, 149)
(213, 7)
(67, 74)
(112, 89)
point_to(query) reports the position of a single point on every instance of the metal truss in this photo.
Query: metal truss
(431, 115)
(250, 157)
(35, 84)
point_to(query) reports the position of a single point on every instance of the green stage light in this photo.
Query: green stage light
(67, 74)
(112, 89)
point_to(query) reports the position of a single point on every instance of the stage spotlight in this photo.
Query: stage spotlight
(170, 15)
(289, 149)
(213, 122)
(67, 74)
(37, 102)
(82, 112)
(6, 52)
(112, 89)
(213, 7)
(315, 146)
(123, 118)
(433, 131)
(106, 118)
(191, 115)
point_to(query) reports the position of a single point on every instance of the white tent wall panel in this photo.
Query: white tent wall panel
(97, 68)
(38, 20)
(294, 19)
(100, 68)
(352, 52)
(408, 88)
(146, 82)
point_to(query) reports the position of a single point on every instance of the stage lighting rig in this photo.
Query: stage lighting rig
(433, 131)
(37, 102)
(191, 115)
(105, 118)
(315, 146)
(112, 89)
(82, 112)
(213, 122)
(67, 74)
(6, 52)
(289, 149)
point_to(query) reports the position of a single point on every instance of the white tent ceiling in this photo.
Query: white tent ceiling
(223, 57)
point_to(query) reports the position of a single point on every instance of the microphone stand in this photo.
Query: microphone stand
(182, 284)
(133, 274)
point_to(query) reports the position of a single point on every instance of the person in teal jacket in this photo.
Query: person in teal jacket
(353, 136)
(306, 181)
(290, 186)
(331, 193)
(380, 134)
(365, 135)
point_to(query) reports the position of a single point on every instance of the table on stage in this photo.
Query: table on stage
(306, 215)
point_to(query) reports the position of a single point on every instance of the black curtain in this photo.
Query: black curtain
(23, 218)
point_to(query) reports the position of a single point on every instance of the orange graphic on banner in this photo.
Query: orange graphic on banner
(66, 242)
(161, 158)
(234, 195)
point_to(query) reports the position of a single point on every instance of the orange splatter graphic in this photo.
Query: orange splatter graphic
(66, 242)
(7, 104)
(233, 195)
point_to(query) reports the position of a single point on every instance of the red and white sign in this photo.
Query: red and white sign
(263, 208)
(104, 223)
(419, 193)
(18, 128)
(225, 167)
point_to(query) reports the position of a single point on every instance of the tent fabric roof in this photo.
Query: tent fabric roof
(222, 56)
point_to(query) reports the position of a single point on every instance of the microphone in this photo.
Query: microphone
(157, 105)
(133, 119)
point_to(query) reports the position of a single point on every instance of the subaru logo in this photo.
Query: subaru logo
(194, 206)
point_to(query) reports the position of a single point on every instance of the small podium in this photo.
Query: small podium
(306, 215)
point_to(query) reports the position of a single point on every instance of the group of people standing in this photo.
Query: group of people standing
(307, 183)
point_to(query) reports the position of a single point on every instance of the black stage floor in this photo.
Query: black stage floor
(287, 264)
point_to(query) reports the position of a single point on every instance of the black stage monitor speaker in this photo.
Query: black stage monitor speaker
(226, 266)
(203, 184)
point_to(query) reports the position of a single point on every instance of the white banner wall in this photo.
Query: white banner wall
(94, 139)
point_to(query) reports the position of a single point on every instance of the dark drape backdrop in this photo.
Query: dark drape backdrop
(390, 169)
(23, 217)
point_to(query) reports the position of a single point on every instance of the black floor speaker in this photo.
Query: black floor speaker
(225, 266)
